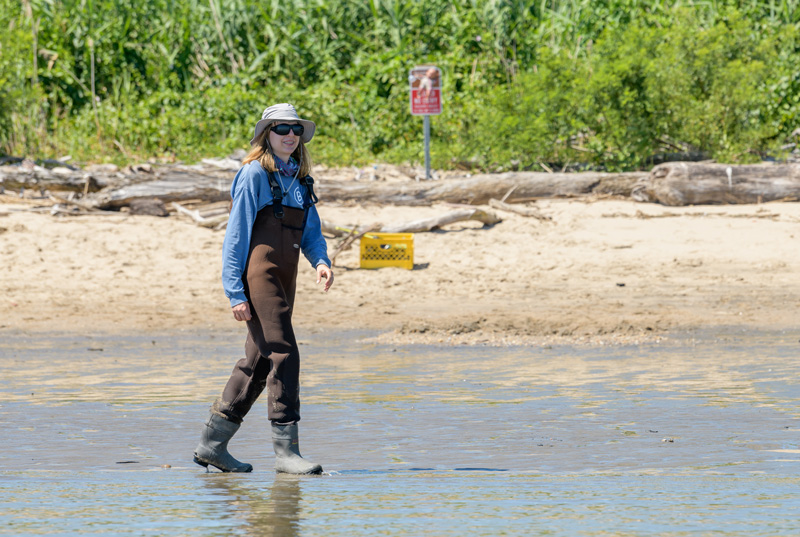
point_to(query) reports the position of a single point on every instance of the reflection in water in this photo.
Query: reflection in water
(272, 513)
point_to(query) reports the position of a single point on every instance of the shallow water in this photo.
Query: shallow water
(695, 436)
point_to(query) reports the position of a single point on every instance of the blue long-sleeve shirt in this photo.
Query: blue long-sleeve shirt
(251, 193)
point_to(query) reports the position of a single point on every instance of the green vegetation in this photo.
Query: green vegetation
(608, 84)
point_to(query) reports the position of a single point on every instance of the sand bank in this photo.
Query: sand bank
(603, 271)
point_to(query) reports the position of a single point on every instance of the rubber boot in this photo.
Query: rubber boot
(213, 446)
(287, 452)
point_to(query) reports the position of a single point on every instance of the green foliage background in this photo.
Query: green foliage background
(606, 84)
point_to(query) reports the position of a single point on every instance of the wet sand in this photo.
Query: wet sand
(603, 271)
(692, 435)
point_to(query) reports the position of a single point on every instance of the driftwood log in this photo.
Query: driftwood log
(479, 189)
(488, 218)
(693, 183)
(168, 187)
(57, 179)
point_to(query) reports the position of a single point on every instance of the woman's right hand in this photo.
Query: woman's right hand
(241, 312)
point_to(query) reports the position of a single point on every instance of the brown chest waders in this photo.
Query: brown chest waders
(272, 357)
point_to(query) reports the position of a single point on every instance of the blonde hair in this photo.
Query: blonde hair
(263, 154)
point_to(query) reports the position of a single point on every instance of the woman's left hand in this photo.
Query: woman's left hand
(324, 271)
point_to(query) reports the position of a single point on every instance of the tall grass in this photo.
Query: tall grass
(129, 79)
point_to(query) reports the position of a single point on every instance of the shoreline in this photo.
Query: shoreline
(99, 341)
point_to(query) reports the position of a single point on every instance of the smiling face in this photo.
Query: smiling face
(283, 146)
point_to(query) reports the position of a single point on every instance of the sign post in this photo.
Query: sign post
(425, 83)
(426, 129)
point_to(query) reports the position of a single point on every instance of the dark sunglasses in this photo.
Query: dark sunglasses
(283, 129)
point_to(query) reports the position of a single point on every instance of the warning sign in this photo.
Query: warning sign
(426, 90)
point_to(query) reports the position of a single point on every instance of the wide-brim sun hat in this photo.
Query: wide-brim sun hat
(283, 112)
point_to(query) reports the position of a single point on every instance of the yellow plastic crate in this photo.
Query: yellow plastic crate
(387, 250)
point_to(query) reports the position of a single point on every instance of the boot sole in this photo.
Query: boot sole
(315, 471)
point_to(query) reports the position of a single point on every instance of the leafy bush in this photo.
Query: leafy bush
(527, 84)
(726, 89)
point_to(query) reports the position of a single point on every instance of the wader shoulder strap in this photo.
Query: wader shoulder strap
(277, 195)
(308, 182)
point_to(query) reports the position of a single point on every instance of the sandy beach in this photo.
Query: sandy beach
(602, 271)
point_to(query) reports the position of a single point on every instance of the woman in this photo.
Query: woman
(272, 219)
